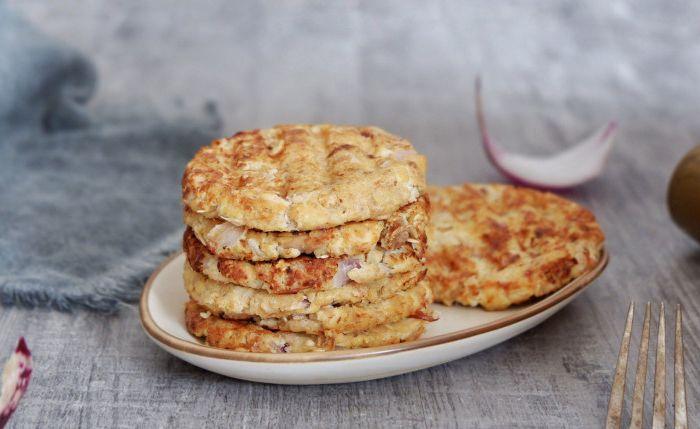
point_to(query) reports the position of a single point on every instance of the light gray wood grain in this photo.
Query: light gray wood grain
(552, 71)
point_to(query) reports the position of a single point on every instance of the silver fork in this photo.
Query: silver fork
(618, 388)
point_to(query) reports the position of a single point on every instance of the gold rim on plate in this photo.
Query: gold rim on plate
(196, 348)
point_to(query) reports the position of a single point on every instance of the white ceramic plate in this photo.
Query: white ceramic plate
(459, 332)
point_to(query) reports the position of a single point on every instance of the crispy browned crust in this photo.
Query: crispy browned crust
(408, 225)
(225, 240)
(499, 245)
(301, 273)
(247, 336)
(303, 177)
(241, 301)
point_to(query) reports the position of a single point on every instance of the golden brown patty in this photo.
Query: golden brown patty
(304, 272)
(331, 320)
(245, 302)
(303, 177)
(499, 245)
(247, 336)
(225, 240)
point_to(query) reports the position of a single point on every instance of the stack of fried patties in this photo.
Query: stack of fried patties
(306, 238)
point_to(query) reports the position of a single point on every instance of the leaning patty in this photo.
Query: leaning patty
(499, 245)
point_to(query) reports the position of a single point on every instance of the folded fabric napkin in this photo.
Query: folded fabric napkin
(87, 208)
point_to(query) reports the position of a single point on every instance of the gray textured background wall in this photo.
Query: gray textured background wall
(407, 66)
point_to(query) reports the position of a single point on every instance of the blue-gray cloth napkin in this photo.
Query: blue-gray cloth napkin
(87, 209)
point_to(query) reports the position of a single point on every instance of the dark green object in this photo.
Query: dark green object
(684, 194)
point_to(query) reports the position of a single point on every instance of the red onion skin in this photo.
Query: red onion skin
(22, 384)
(519, 181)
(341, 277)
(494, 152)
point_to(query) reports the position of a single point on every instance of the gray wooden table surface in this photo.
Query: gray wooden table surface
(552, 72)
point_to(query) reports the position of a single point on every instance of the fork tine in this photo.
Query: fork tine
(641, 377)
(618, 388)
(659, 418)
(681, 416)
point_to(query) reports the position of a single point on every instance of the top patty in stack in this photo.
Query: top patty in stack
(303, 177)
(499, 245)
